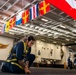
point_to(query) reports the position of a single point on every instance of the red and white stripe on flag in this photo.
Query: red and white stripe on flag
(2, 29)
(34, 12)
(67, 6)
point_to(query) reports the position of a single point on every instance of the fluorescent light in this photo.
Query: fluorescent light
(36, 34)
(60, 34)
(43, 39)
(55, 36)
(15, 28)
(45, 30)
(69, 46)
(49, 34)
(43, 19)
(27, 25)
(40, 29)
(54, 42)
(56, 33)
(31, 26)
(63, 43)
(67, 39)
(48, 22)
(73, 30)
(62, 26)
(42, 33)
(48, 31)
(67, 32)
(11, 33)
(36, 27)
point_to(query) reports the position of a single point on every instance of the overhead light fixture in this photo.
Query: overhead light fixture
(54, 42)
(27, 24)
(69, 46)
(55, 36)
(63, 43)
(15, 28)
(43, 19)
(11, 33)
(31, 26)
(36, 27)
(67, 32)
(43, 39)
(49, 34)
(62, 26)
(45, 30)
(60, 34)
(67, 39)
(42, 33)
(40, 29)
(73, 30)
(36, 34)
(14, 31)
(26, 28)
(48, 22)
(48, 31)
(56, 33)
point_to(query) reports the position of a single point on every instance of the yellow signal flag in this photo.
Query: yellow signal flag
(7, 26)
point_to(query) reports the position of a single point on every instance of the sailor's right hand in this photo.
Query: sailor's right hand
(27, 71)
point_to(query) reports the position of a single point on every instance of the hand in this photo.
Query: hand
(27, 71)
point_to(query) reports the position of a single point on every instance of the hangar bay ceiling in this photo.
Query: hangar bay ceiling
(55, 26)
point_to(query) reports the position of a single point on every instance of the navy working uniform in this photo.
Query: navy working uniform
(18, 52)
(69, 63)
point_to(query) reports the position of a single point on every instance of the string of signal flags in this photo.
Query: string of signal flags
(23, 17)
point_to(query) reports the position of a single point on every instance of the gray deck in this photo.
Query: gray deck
(46, 71)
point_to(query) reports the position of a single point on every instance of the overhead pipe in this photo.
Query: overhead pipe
(13, 4)
(4, 4)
